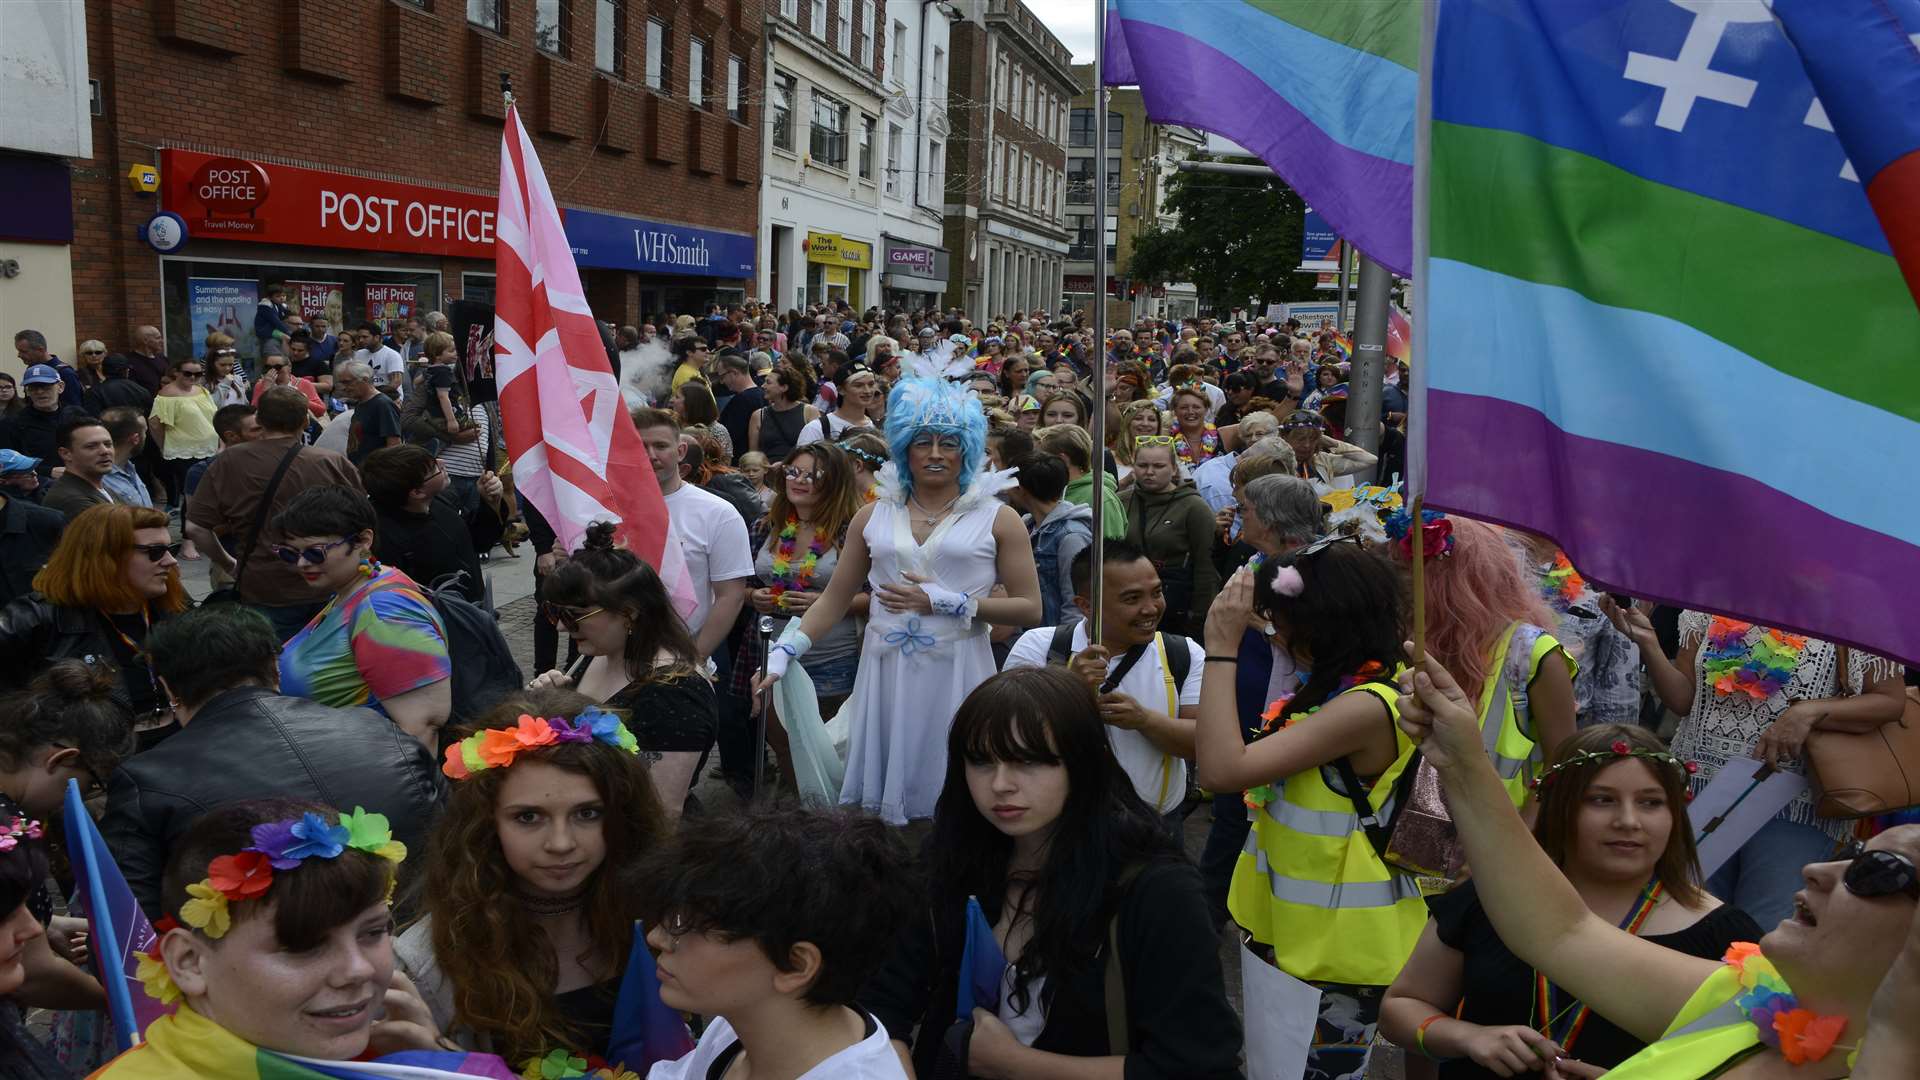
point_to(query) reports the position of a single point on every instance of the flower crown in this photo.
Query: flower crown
(1620, 749)
(278, 846)
(1436, 533)
(495, 748)
(19, 829)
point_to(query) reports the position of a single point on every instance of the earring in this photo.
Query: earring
(369, 566)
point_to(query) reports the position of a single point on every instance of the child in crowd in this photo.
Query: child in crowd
(753, 465)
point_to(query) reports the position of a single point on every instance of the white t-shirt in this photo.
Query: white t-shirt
(872, 1058)
(1216, 397)
(384, 362)
(1159, 777)
(714, 540)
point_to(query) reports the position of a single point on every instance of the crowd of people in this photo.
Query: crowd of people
(960, 842)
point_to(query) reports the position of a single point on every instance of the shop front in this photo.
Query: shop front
(677, 268)
(837, 268)
(915, 274)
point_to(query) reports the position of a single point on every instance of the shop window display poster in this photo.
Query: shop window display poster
(225, 305)
(391, 304)
(320, 299)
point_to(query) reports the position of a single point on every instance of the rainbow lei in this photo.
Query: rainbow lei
(1801, 1035)
(280, 846)
(1759, 670)
(1257, 797)
(564, 1065)
(495, 748)
(1209, 445)
(1562, 584)
(785, 576)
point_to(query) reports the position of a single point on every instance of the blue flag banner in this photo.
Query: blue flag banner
(118, 928)
(981, 965)
(645, 1030)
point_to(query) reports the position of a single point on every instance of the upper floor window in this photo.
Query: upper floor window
(610, 36)
(550, 19)
(696, 72)
(488, 13)
(659, 37)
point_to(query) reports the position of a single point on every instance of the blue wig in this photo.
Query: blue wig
(934, 404)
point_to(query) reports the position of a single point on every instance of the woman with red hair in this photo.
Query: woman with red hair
(1487, 623)
(114, 576)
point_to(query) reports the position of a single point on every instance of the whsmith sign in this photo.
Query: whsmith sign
(623, 243)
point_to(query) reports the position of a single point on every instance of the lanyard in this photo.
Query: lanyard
(135, 647)
(1543, 990)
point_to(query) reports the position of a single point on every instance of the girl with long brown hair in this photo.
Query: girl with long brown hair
(1613, 819)
(529, 889)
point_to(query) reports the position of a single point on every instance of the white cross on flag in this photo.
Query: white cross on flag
(575, 453)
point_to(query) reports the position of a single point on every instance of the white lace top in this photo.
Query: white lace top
(1726, 726)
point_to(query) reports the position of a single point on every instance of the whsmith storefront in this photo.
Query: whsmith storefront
(352, 248)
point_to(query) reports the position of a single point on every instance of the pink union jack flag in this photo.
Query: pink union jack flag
(576, 455)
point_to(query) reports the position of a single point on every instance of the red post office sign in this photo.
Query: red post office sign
(237, 199)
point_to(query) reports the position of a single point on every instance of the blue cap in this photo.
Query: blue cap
(40, 375)
(12, 462)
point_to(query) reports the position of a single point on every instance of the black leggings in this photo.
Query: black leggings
(176, 473)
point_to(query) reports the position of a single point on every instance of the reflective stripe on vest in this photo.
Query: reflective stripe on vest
(1697, 1048)
(1516, 756)
(1332, 895)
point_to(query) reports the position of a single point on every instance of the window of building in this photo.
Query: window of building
(817, 18)
(894, 134)
(780, 104)
(939, 74)
(1113, 233)
(696, 72)
(1080, 180)
(609, 36)
(936, 164)
(1113, 180)
(866, 34)
(1026, 103)
(1080, 130)
(1080, 229)
(865, 163)
(658, 39)
(737, 88)
(897, 55)
(790, 9)
(550, 26)
(999, 168)
(1002, 83)
(488, 13)
(1116, 130)
(1019, 179)
(827, 141)
(843, 36)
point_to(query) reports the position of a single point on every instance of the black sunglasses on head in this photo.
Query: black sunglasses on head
(1877, 872)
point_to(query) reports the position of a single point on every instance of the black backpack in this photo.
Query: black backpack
(1179, 660)
(484, 670)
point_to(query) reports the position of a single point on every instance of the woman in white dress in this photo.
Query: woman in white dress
(931, 547)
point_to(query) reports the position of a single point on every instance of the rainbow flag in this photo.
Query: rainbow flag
(188, 1044)
(1663, 317)
(1322, 91)
(117, 929)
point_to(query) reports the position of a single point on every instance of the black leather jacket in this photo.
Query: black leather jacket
(35, 631)
(252, 743)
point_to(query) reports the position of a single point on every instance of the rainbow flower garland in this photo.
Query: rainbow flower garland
(1209, 445)
(1562, 584)
(495, 748)
(1801, 1035)
(564, 1065)
(785, 576)
(1759, 670)
(1257, 797)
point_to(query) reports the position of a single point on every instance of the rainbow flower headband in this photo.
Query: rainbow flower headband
(281, 845)
(495, 748)
(1620, 749)
(1436, 532)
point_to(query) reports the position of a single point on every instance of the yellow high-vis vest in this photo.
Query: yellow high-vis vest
(1709, 1032)
(1511, 745)
(1310, 884)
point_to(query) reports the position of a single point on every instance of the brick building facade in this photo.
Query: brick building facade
(646, 115)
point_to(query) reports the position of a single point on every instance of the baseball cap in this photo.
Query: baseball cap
(12, 462)
(40, 375)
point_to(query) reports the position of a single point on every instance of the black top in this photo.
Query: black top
(738, 412)
(670, 715)
(438, 542)
(28, 534)
(374, 421)
(589, 1011)
(1498, 987)
(780, 430)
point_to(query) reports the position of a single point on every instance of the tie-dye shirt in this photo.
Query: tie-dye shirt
(378, 639)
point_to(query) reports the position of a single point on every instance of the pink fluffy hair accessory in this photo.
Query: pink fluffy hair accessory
(1288, 582)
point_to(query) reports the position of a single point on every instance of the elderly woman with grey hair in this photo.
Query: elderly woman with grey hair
(1278, 513)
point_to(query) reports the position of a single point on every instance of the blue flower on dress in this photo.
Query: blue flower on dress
(909, 639)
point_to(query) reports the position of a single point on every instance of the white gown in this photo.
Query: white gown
(916, 669)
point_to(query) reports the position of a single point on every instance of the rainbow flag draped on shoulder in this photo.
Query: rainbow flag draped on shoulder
(1322, 91)
(1662, 312)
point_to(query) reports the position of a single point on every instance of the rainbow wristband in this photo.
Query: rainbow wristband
(1420, 1037)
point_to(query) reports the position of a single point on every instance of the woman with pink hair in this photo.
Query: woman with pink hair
(1487, 623)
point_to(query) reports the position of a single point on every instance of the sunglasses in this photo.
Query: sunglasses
(811, 476)
(1153, 440)
(568, 618)
(193, 373)
(1878, 873)
(156, 552)
(276, 367)
(93, 352)
(316, 554)
(1323, 544)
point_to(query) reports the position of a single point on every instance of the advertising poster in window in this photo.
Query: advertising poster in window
(224, 305)
(391, 304)
(319, 300)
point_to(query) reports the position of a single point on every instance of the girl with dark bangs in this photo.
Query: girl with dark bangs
(1613, 819)
(529, 892)
(277, 937)
(1028, 763)
(1311, 891)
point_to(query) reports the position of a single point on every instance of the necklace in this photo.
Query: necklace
(1209, 445)
(1800, 1034)
(550, 905)
(928, 517)
(1759, 670)
(786, 575)
(1543, 990)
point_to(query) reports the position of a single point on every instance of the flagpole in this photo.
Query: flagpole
(1097, 409)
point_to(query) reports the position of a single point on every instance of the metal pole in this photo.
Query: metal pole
(1340, 321)
(1097, 413)
(1369, 356)
(760, 712)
